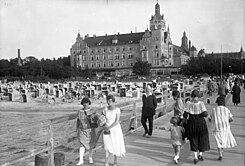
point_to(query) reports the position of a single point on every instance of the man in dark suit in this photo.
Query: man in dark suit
(148, 110)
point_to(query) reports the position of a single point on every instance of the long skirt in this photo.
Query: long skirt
(197, 133)
(236, 98)
(224, 139)
(88, 137)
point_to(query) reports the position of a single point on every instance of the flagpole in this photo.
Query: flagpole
(221, 64)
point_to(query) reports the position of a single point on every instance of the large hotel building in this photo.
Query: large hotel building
(116, 54)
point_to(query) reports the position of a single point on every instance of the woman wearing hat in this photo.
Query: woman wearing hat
(86, 128)
(221, 118)
(196, 127)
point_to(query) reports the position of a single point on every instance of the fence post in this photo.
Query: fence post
(51, 143)
(135, 114)
(184, 96)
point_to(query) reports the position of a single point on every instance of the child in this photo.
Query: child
(176, 136)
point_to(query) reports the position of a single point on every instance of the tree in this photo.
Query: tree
(87, 72)
(142, 68)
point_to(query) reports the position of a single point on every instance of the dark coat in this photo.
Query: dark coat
(149, 105)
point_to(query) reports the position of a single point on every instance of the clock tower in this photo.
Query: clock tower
(157, 21)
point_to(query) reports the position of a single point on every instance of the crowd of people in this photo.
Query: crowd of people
(188, 124)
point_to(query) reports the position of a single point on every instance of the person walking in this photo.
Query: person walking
(113, 137)
(148, 110)
(176, 136)
(196, 127)
(178, 105)
(236, 90)
(86, 128)
(222, 90)
(220, 118)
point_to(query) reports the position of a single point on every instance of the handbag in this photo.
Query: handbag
(104, 120)
(107, 132)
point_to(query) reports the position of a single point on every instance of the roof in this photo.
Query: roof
(179, 51)
(130, 38)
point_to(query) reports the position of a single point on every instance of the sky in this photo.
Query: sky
(48, 28)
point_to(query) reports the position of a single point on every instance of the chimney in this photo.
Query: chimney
(18, 53)
(189, 47)
(19, 59)
(118, 33)
(94, 35)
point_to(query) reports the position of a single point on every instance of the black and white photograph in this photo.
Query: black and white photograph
(122, 82)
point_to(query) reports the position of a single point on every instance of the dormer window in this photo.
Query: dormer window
(114, 40)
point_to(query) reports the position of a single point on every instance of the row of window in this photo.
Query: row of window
(109, 56)
(104, 50)
(109, 64)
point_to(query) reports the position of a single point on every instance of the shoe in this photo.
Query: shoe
(107, 164)
(144, 135)
(175, 160)
(148, 136)
(220, 158)
(200, 158)
(90, 160)
(195, 161)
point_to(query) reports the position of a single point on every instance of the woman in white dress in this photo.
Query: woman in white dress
(221, 118)
(113, 136)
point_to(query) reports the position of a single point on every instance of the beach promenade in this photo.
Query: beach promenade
(157, 150)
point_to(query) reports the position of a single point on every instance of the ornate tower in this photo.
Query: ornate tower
(157, 21)
(184, 41)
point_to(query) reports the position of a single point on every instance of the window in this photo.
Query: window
(104, 51)
(97, 57)
(84, 58)
(92, 65)
(117, 56)
(156, 47)
(104, 64)
(84, 51)
(123, 63)
(118, 64)
(92, 58)
(130, 48)
(104, 57)
(117, 49)
(123, 56)
(92, 51)
(130, 56)
(123, 49)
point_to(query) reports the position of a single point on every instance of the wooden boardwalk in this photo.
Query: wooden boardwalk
(157, 150)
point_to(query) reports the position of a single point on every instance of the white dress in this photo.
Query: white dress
(221, 127)
(114, 142)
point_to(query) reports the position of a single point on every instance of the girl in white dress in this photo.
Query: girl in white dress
(113, 136)
(221, 118)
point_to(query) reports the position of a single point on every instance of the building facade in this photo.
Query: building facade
(117, 54)
(229, 55)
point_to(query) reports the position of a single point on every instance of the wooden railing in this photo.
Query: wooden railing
(185, 94)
